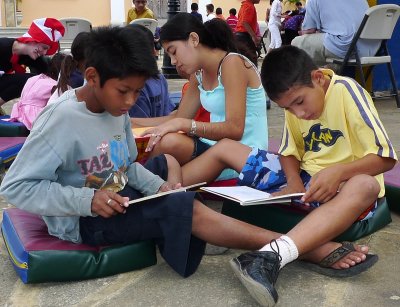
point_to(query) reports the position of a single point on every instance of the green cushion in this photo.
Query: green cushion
(40, 257)
(52, 265)
(282, 219)
(392, 194)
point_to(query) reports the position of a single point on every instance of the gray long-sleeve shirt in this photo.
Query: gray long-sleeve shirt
(70, 153)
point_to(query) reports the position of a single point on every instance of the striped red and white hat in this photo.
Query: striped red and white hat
(47, 31)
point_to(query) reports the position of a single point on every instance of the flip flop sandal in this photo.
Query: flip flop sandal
(324, 267)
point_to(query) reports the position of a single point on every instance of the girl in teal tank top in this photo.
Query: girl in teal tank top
(223, 81)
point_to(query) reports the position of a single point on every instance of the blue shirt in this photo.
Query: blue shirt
(339, 20)
(154, 99)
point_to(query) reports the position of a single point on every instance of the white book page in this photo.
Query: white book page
(249, 196)
(240, 193)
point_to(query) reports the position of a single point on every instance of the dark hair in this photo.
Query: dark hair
(232, 11)
(299, 3)
(149, 35)
(210, 7)
(73, 62)
(218, 11)
(284, 68)
(120, 52)
(214, 33)
(55, 65)
(194, 6)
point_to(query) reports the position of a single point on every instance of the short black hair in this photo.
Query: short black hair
(194, 6)
(210, 7)
(284, 68)
(232, 11)
(299, 4)
(149, 35)
(218, 11)
(120, 52)
(78, 46)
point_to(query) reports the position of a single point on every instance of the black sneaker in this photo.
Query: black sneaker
(258, 272)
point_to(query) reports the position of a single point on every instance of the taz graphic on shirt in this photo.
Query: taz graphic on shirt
(318, 136)
(106, 170)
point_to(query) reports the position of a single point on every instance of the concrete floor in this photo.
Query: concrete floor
(214, 284)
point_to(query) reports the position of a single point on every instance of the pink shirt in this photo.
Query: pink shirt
(34, 97)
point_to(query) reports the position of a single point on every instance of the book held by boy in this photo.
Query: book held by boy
(247, 196)
(192, 187)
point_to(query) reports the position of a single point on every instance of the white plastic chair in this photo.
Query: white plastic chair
(378, 24)
(74, 26)
(149, 23)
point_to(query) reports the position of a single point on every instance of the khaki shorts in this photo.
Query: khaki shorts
(313, 44)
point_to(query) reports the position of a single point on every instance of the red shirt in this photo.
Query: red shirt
(247, 13)
(232, 21)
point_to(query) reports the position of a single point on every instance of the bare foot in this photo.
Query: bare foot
(351, 259)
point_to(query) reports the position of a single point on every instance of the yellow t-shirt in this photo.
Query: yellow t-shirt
(348, 129)
(132, 15)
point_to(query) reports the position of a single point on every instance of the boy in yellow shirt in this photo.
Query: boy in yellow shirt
(139, 11)
(334, 148)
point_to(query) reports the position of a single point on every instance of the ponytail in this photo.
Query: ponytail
(67, 67)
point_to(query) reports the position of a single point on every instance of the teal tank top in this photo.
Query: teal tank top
(256, 128)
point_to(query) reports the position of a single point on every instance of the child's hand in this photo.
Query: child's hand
(156, 133)
(323, 185)
(290, 189)
(108, 203)
(166, 186)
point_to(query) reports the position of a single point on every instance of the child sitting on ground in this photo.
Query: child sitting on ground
(72, 68)
(153, 100)
(333, 143)
(80, 153)
(36, 93)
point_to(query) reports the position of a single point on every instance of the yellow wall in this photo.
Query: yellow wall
(97, 11)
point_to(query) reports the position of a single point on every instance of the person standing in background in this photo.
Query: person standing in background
(246, 29)
(210, 12)
(195, 7)
(218, 13)
(139, 11)
(232, 20)
(274, 25)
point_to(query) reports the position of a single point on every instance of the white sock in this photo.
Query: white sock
(286, 248)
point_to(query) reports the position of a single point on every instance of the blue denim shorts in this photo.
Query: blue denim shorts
(263, 171)
(199, 147)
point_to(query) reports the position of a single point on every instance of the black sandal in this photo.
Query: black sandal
(324, 267)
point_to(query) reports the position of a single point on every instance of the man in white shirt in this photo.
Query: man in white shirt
(210, 12)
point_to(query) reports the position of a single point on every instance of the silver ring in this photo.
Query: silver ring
(109, 202)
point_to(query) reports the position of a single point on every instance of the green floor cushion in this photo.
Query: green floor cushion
(8, 128)
(282, 218)
(39, 257)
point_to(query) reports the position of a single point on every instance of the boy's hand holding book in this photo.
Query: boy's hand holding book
(167, 186)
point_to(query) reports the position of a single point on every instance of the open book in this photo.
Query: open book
(192, 187)
(247, 196)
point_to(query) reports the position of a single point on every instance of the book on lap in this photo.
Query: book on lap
(247, 196)
(192, 187)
